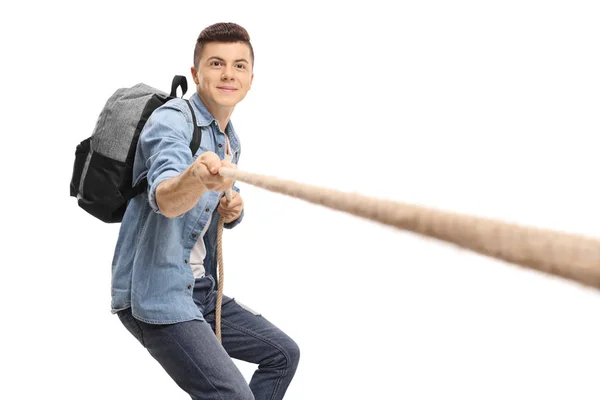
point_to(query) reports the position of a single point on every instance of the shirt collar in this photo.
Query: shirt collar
(205, 118)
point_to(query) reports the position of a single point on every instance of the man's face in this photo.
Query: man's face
(224, 73)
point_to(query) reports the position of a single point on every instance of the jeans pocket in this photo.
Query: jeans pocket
(132, 325)
(211, 289)
(203, 289)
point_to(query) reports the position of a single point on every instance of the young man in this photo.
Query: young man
(164, 268)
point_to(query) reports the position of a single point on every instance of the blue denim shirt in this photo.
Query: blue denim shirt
(151, 271)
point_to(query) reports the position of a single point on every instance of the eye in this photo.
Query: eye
(215, 63)
(240, 66)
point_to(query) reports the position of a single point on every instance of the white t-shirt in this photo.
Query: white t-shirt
(199, 250)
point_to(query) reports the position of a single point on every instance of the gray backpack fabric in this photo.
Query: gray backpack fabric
(102, 171)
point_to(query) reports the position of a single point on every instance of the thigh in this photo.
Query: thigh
(249, 336)
(191, 354)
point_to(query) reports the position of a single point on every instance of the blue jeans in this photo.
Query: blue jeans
(192, 355)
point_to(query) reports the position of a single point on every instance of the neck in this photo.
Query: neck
(222, 118)
(221, 114)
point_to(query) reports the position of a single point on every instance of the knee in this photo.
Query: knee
(285, 355)
(292, 354)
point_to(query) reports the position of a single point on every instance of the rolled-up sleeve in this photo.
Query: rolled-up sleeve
(165, 145)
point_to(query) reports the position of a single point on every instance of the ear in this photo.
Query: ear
(194, 75)
(251, 80)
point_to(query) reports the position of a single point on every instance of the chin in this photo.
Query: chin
(228, 102)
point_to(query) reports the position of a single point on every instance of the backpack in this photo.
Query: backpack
(103, 168)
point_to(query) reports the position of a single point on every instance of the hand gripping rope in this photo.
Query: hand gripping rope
(570, 256)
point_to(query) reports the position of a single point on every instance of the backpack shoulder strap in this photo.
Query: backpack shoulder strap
(197, 137)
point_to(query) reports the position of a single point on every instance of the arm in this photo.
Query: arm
(175, 180)
(165, 146)
(178, 195)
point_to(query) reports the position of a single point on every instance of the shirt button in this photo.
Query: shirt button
(185, 261)
(220, 145)
(194, 235)
(207, 210)
(189, 286)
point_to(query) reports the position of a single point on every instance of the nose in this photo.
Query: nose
(227, 73)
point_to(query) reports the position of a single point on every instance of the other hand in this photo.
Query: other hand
(231, 209)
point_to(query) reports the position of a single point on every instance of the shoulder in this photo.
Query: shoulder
(173, 110)
(172, 117)
(167, 124)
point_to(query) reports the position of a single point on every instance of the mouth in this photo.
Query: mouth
(226, 89)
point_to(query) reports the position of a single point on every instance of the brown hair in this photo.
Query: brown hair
(226, 32)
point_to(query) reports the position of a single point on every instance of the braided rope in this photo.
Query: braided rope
(228, 195)
(569, 256)
(220, 283)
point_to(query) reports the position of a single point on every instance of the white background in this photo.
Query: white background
(486, 108)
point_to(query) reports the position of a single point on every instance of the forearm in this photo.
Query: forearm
(178, 195)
